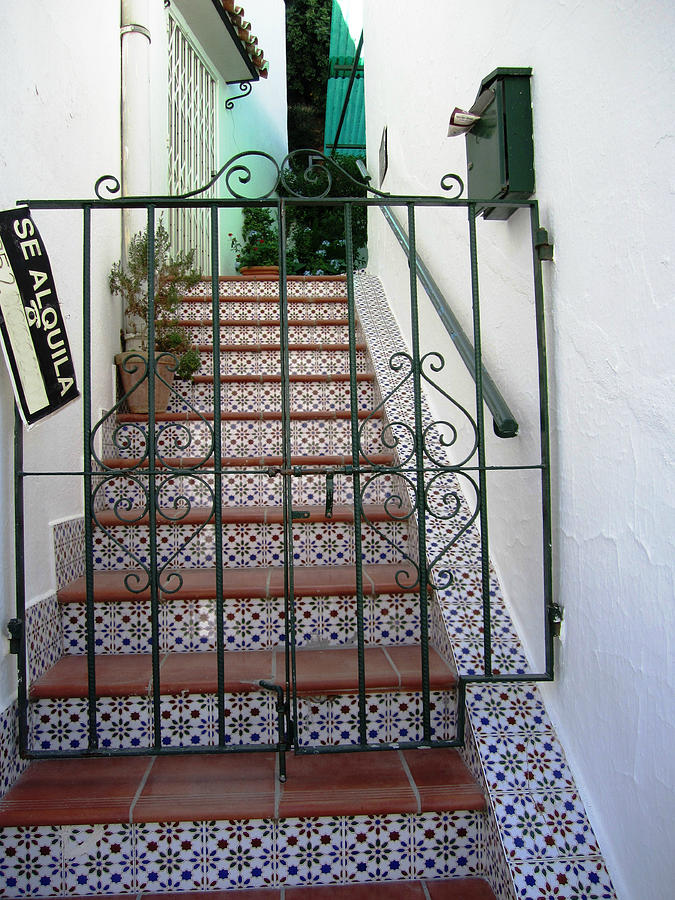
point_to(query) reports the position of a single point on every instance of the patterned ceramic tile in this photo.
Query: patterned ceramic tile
(11, 765)
(43, 635)
(30, 861)
(379, 848)
(563, 879)
(495, 867)
(514, 707)
(98, 859)
(543, 825)
(125, 722)
(170, 856)
(310, 851)
(239, 854)
(448, 845)
(59, 724)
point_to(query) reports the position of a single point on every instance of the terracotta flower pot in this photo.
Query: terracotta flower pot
(260, 271)
(133, 367)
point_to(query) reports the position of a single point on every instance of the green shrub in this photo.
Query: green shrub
(173, 276)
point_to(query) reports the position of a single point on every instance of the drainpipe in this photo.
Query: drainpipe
(135, 114)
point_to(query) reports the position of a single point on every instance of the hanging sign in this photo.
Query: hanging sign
(31, 325)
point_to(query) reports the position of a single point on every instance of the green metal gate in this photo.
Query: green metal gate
(419, 465)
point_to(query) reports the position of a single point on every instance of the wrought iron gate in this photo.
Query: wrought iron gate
(440, 497)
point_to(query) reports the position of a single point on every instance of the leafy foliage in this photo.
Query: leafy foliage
(173, 276)
(307, 67)
(260, 241)
(317, 233)
(316, 243)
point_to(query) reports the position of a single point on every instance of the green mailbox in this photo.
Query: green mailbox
(499, 147)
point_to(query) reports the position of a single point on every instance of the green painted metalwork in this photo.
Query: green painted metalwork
(420, 470)
(500, 146)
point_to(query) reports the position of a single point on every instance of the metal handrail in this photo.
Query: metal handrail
(505, 423)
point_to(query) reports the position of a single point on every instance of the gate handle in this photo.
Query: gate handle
(329, 494)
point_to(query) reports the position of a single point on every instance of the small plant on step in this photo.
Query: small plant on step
(173, 277)
(259, 244)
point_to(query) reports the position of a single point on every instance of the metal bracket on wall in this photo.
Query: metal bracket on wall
(15, 629)
(542, 244)
(555, 617)
(245, 88)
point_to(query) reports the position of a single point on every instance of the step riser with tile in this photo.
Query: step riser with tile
(248, 488)
(253, 397)
(251, 310)
(249, 438)
(152, 857)
(310, 361)
(191, 720)
(253, 624)
(250, 544)
(311, 333)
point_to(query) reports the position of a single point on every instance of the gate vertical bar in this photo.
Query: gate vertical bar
(152, 486)
(86, 457)
(544, 432)
(420, 484)
(480, 424)
(217, 473)
(289, 593)
(20, 576)
(354, 412)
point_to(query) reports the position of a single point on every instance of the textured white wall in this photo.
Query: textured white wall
(603, 91)
(60, 133)
(258, 121)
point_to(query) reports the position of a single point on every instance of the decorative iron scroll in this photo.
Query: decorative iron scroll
(245, 88)
(452, 182)
(315, 182)
(441, 495)
(174, 440)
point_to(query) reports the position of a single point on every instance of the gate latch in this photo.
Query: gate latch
(542, 244)
(15, 629)
(300, 514)
(555, 617)
(330, 476)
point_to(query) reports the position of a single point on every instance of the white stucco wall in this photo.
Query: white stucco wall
(60, 133)
(258, 121)
(603, 90)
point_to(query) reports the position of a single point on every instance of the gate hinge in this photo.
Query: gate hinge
(542, 245)
(15, 629)
(555, 617)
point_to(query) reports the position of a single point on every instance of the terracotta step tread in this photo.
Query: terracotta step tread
(263, 582)
(257, 348)
(264, 415)
(318, 672)
(276, 379)
(449, 889)
(251, 462)
(257, 515)
(206, 787)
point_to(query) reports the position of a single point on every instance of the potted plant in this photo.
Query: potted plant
(174, 353)
(258, 251)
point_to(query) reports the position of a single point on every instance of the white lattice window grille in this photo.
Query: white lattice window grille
(192, 142)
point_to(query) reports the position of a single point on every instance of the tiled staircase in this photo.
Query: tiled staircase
(205, 821)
